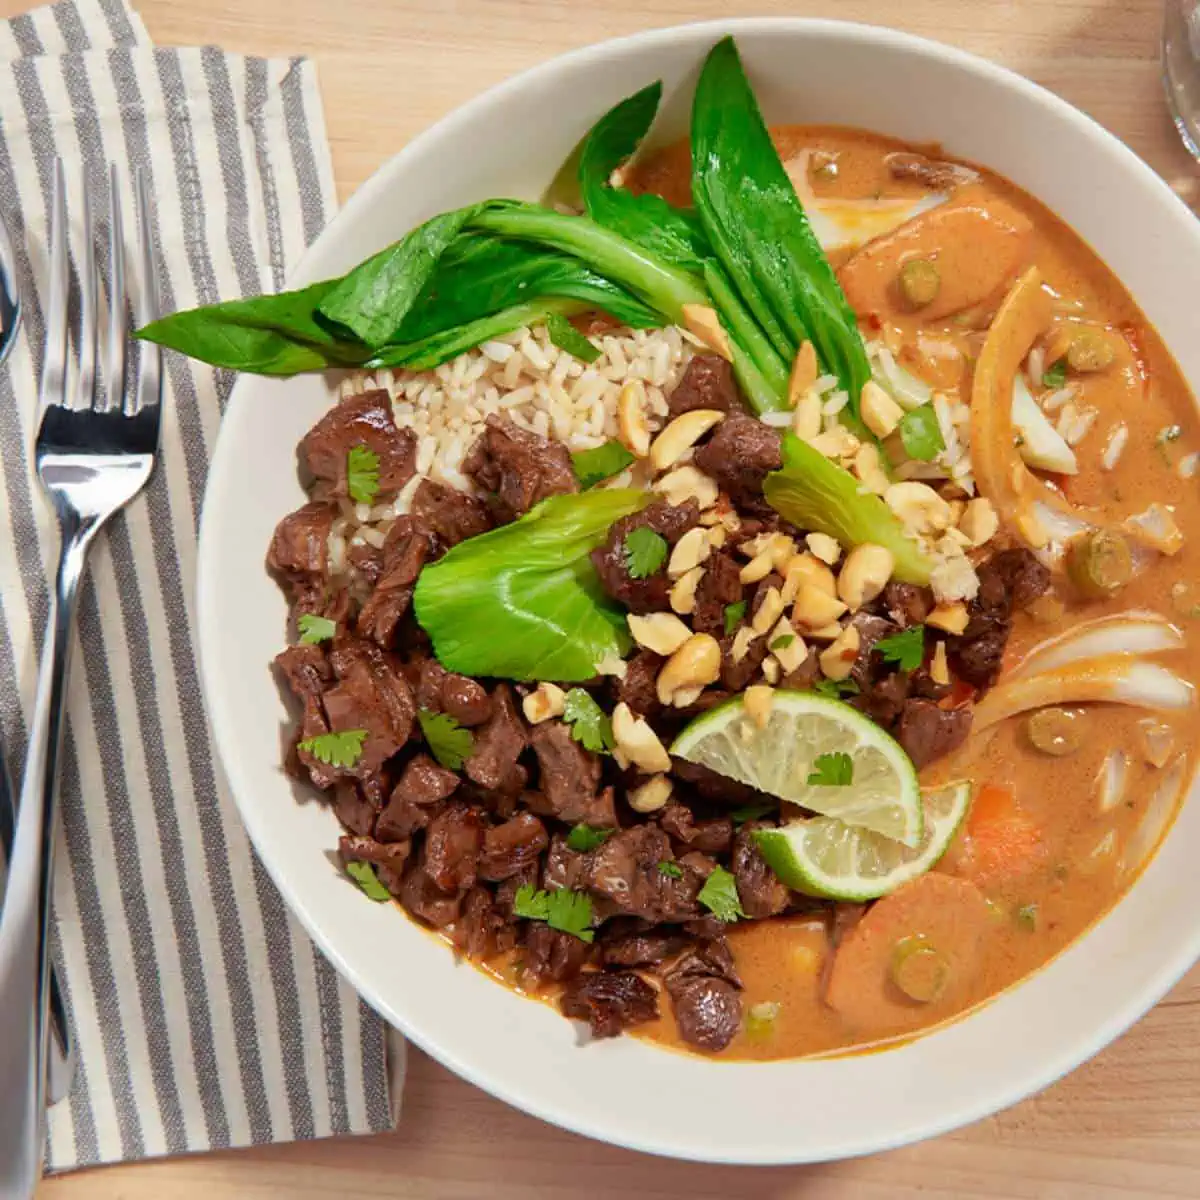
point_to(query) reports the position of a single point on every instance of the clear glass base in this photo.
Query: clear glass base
(1181, 68)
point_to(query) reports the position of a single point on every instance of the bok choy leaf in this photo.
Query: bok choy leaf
(524, 601)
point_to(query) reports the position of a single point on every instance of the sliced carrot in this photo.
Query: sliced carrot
(942, 916)
(1000, 841)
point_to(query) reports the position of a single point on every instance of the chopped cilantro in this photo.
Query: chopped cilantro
(1055, 375)
(906, 649)
(720, 895)
(342, 749)
(362, 474)
(832, 770)
(594, 466)
(782, 642)
(921, 435)
(733, 615)
(364, 875)
(448, 741)
(314, 629)
(645, 551)
(564, 910)
(566, 337)
(674, 870)
(590, 724)
(751, 812)
(1027, 917)
(836, 689)
(587, 837)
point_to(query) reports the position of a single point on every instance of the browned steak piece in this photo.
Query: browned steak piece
(552, 956)
(416, 799)
(927, 732)
(407, 549)
(299, 555)
(452, 516)
(518, 467)
(652, 593)
(740, 453)
(363, 420)
(498, 744)
(610, 1001)
(707, 382)
(511, 847)
(388, 860)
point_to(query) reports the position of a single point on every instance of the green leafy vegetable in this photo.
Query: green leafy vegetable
(566, 337)
(815, 493)
(720, 895)
(564, 910)
(362, 474)
(670, 869)
(782, 642)
(733, 616)
(314, 629)
(586, 837)
(836, 689)
(523, 601)
(832, 770)
(906, 649)
(594, 466)
(590, 724)
(752, 218)
(921, 435)
(342, 749)
(751, 812)
(1027, 917)
(1055, 375)
(364, 875)
(645, 551)
(447, 740)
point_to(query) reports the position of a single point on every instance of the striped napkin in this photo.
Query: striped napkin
(203, 1016)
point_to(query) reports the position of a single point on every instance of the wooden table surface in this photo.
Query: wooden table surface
(1126, 1124)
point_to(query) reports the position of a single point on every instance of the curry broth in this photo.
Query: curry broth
(1080, 875)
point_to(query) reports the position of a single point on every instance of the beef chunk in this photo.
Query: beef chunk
(442, 691)
(481, 930)
(712, 786)
(570, 774)
(636, 687)
(625, 871)
(712, 836)
(371, 694)
(388, 860)
(498, 745)
(408, 547)
(306, 670)
(906, 603)
(651, 594)
(610, 1001)
(564, 868)
(761, 892)
(299, 555)
(452, 847)
(353, 809)
(882, 699)
(1024, 578)
(450, 515)
(426, 901)
(740, 453)
(805, 675)
(506, 891)
(416, 799)
(708, 1009)
(720, 586)
(519, 468)
(511, 847)
(646, 949)
(712, 956)
(927, 732)
(931, 173)
(738, 673)
(707, 383)
(552, 956)
(364, 420)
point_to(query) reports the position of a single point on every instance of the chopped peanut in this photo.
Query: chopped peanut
(702, 322)
(838, 658)
(687, 483)
(768, 612)
(681, 435)
(939, 669)
(683, 594)
(695, 664)
(979, 521)
(868, 466)
(661, 632)
(804, 372)
(824, 547)
(864, 574)
(806, 568)
(637, 743)
(791, 655)
(919, 507)
(806, 420)
(632, 430)
(546, 701)
(741, 643)
(835, 443)
(815, 608)
(690, 551)
(952, 618)
(652, 795)
(770, 669)
(880, 413)
(757, 701)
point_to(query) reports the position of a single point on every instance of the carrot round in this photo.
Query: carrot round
(1000, 841)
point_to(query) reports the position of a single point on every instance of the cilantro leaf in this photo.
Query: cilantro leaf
(314, 629)
(566, 337)
(645, 551)
(594, 466)
(448, 741)
(362, 474)
(751, 812)
(1055, 375)
(364, 875)
(906, 649)
(836, 689)
(342, 749)
(590, 724)
(587, 837)
(832, 770)
(782, 642)
(564, 910)
(921, 435)
(673, 870)
(720, 895)
(733, 615)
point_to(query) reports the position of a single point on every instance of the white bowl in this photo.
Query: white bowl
(509, 142)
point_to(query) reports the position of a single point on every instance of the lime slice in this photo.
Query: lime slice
(779, 757)
(826, 857)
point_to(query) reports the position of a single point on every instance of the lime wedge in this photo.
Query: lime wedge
(826, 857)
(779, 757)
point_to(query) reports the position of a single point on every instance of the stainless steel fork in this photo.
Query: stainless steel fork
(95, 449)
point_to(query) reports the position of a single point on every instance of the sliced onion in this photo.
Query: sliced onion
(1156, 527)
(1128, 633)
(1117, 680)
(1042, 446)
(906, 389)
(1150, 829)
(1111, 779)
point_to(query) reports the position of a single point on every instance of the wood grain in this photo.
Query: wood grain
(1128, 1123)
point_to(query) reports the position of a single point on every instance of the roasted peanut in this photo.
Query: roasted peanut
(690, 551)
(661, 632)
(681, 435)
(880, 413)
(632, 430)
(864, 574)
(651, 796)
(637, 743)
(702, 322)
(546, 701)
(695, 664)
(838, 658)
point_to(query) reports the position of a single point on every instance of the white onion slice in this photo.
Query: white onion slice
(1150, 829)
(1128, 633)
(1042, 446)
(1117, 680)
(1111, 779)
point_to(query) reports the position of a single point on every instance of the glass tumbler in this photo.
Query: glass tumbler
(1181, 68)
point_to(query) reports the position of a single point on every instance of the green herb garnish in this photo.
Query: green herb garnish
(364, 875)
(587, 837)
(720, 895)
(314, 629)
(921, 435)
(751, 812)
(1055, 375)
(782, 642)
(645, 551)
(906, 649)
(590, 725)
(594, 466)
(362, 474)
(836, 689)
(832, 770)
(564, 910)
(342, 749)
(1027, 917)
(447, 740)
(670, 869)
(733, 616)
(566, 337)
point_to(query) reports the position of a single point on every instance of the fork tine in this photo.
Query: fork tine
(149, 385)
(54, 360)
(118, 301)
(88, 320)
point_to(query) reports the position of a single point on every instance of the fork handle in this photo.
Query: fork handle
(25, 917)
